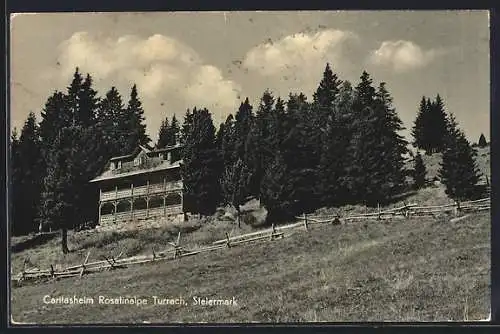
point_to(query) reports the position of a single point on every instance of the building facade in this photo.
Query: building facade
(146, 184)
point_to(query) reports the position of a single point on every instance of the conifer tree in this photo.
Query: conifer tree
(259, 148)
(175, 130)
(163, 134)
(335, 142)
(458, 169)
(277, 191)
(420, 137)
(376, 149)
(201, 167)
(228, 141)
(235, 183)
(28, 158)
(437, 124)
(134, 127)
(113, 124)
(89, 103)
(58, 197)
(73, 96)
(419, 171)
(482, 141)
(17, 224)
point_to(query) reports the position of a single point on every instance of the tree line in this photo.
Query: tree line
(294, 155)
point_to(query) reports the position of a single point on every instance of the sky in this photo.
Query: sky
(180, 60)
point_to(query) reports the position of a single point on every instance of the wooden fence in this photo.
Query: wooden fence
(176, 250)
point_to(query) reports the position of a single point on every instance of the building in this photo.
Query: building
(146, 184)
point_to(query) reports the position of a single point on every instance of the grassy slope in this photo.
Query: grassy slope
(419, 270)
(401, 270)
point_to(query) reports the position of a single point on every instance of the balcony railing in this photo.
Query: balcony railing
(125, 216)
(156, 188)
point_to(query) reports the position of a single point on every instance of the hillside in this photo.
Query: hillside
(415, 270)
(421, 269)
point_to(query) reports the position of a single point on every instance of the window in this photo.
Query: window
(112, 166)
(119, 164)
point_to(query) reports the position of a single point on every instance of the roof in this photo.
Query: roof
(146, 149)
(109, 175)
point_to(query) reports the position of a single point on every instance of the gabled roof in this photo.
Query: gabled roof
(147, 149)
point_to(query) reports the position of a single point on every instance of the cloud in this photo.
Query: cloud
(298, 50)
(402, 56)
(163, 68)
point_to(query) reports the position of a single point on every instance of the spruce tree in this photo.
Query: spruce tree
(134, 127)
(259, 146)
(201, 167)
(420, 137)
(163, 134)
(17, 224)
(88, 104)
(437, 124)
(328, 89)
(335, 142)
(277, 191)
(482, 141)
(175, 131)
(113, 123)
(29, 171)
(235, 183)
(73, 96)
(57, 210)
(458, 169)
(376, 149)
(419, 172)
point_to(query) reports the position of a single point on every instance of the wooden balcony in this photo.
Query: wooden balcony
(152, 213)
(151, 189)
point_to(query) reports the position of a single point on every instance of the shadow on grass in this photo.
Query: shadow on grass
(36, 240)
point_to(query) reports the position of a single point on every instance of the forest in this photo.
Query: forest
(294, 155)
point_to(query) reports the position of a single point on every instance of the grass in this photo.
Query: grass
(420, 269)
(415, 270)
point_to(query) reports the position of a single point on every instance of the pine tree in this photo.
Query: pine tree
(458, 170)
(55, 116)
(420, 137)
(335, 142)
(28, 156)
(88, 104)
(328, 89)
(259, 146)
(278, 191)
(113, 121)
(175, 130)
(482, 141)
(134, 127)
(73, 96)
(164, 134)
(58, 197)
(201, 165)
(437, 124)
(243, 123)
(235, 185)
(17, 224)
(228, 141)
(419, 171)
(376, 171)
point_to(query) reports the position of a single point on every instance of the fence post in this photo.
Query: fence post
(228, 244)
(305, 222)
(272, 232)
(154, 254)
(52, 273)
(378, 207)
(84, 263)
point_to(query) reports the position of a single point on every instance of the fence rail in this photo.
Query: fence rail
(177, 251)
